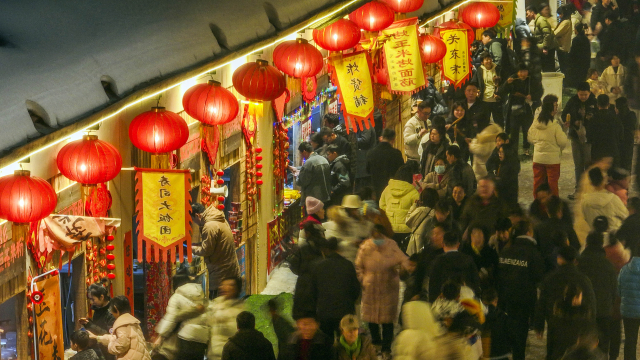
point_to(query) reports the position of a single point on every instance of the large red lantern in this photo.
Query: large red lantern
(432, 49)
(25, 199)
(89, 161)
(404, 6)
(210, 103)
(259, 81)
(297, 58)
(373, 16)
(158, 131)
(454, 24)
(341, 35)
(481, 15)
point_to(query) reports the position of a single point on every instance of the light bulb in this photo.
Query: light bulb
(156, 138)
(335, 37)
(21, 202)
(372, 20)
(83, 167)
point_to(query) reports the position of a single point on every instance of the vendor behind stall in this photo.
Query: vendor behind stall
(102, 320)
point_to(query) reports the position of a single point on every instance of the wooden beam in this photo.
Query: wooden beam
(22, 322)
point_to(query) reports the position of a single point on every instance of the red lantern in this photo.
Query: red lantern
(110, 247)
(404, 6)
(220, 207)
(259, 182)
(432, 48)
(259, 81)
(373, 16)
(259, 173)
(453, 24)
(259, 150)
(110, 237)
(111, 257)
(259, 166)
(158, 131)
(481, 15)
(25, 199)
(259, 157)
(111, 276)
(297, 58)
(220, 173)
(221, 198)
(219, 181)
(341, 35)
(111, 266)
(89, 161)
(210, 103)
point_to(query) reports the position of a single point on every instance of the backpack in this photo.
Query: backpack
(509, 63)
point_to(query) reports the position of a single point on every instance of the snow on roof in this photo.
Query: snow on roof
(54, 54)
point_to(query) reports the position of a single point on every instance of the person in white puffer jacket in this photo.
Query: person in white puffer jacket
(482, 146)
(184, 330)
(222, 313)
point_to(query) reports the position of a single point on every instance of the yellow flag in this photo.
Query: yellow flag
(402, 57)
(506, 13)
(455, 64)
(354, 83)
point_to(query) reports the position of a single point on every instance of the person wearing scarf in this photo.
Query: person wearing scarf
(352, 345)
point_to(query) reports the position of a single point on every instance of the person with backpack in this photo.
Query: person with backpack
(546, 39)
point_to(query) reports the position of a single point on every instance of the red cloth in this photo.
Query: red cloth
(305, 346)
(311, 218)
(549, 173)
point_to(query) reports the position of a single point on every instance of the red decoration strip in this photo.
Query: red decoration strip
(210, 142)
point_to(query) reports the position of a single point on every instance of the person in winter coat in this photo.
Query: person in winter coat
(125, 340)
(377, 266)
(615, 39)
(530, 57)
(484, 206)
(459, 172)
(552, 233)
(477, 114)
(576, 115)
(430, 93)
(458, 200)
(396, 200)
(487, 76)
(426, 259)
(80, 343)
(339, 168)
(483, 255)
(452, 265)
(579, 56)
(629, 231)
(520, 270)
(563, 36)
(482, 147)
(520, 31)
(383, 161)
(248, 343)
(457, 127)
(308, 342)
(494, 159)
(605, 132)
(545, 37)
(613, 78)
(415, 128)
(417, 219)
(314, 177)
(333, 136)
(102, 320)
(336, 288)
(281, 326)
(593, 263)
(598, 15)
(301, 262)
(438, 179)
(349, 225)
(216, 245)
(602, 202)
(183, 330)
(418, 339)
(222, 313)
(629, 122)
(315, 211)
(366, 139)
(351, 345)
(433, 149)
(548, 141)
(507, 175)
(629, 290)
(497, 330)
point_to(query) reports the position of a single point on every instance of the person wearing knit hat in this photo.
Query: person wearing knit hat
(315, 211)
(314, 206)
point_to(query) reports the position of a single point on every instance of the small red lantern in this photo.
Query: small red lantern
(432, 48)
(220, 173)
(221, 198)
(259, 157)
(259, 173)
(373, 16)
(158, 131)
(111, 266)
(404, 6)
(110, 247)
(341, 35)
(297, 58)
(111, 276)
(220, 181)
(110, 237)
(25, 199)
(89, 161)
(481, 15)
(259, 166)
(220, 206)
(259, 81)
(111, 257)
(37, 297)
(259, 182)
(210, 103)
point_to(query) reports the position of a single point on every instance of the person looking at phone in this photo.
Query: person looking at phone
(102, 319)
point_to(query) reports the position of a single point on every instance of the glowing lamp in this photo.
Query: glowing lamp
(341, 35)
(259, 81)
(210, 103)
(298, 58)
(158, 131)
(404, 6)
(481, 15)
(432, 49)
(373, 16)
(89, 161)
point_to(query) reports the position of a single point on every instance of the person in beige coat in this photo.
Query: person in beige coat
(396, 200)
(481, 147)
(126, 340)
(563, 36)
(417, 219)
(377, 264)
(613, 78)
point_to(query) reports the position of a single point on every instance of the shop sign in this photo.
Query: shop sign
(402, 57)
(353, 76)
(455, 64)
(232, 143)
(12, 260)
(162, 202)
(48, 320)
(506, 13)
(191, 148)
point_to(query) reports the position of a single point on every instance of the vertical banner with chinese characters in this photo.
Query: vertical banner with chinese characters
(48, 320)
(162, 202)
(455, 64)
(353, 77)
(506, 13)
(402, 57)
(127, 247)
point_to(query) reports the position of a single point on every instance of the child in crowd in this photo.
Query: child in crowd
(496, 331)
(447, 305)
(80, 342)
(597, 87)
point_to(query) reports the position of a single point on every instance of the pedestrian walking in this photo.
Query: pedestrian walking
(383, 161)
(222, 313)
(248, 343)
(396, 200)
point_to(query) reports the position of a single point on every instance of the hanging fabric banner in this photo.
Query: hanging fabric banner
(48, 320)
(162, 203)
(507, 16)
(353, 77)
(210, 141)
(127, 248)
(402, 57)
(455, 65)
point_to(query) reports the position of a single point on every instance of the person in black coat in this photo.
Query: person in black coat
(383, 161)
(427, 257)
(452, 265)
(579, 56)
(629, 232)
(552, 233)
(248, 343)
(530, 57)
(507, 174)
(309, 342)
(366, 139)
(340, 179)
(484, 256)
(430, 93)
(281, 326)
(493, 162)
(498, 327)
(605, 132)
(604, 279)
(629, 123)
(478, 113)
(301, 262)
(615, 39)
(521, 269)
(102, 319)
(336, 288)
(598, 15)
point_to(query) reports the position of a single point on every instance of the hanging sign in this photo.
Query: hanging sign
(162, 202)
(402, 57)
(48, 320)
(127, 247)
(455, 64)
(506, 13)
(353, 77)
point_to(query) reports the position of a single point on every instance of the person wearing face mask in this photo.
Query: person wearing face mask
(433, 149)
(377, 264)
(437, 179)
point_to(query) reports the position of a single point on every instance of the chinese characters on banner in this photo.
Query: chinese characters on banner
(162, 202)
(506, 13)
(128, 271)
(48, 320)
(455, 64)
(402, 57)
(353, 77)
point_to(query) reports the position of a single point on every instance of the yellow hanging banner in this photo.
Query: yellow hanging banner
(402, 57)
(48, 320)
(455, 64)
(353, 77)
(506, 13)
